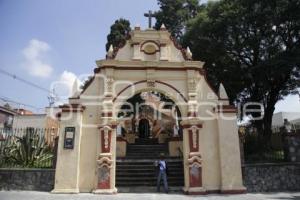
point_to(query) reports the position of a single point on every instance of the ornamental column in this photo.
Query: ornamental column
(106, 160)
(106, 148)
(192, 156)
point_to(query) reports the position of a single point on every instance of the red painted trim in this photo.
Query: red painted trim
(190, 125)
(103, 149)
(106, 114)
(192, 114)
(72, 108)
(121, 139)
(192, 149)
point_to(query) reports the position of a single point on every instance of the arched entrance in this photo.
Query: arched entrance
(149, 118)
(144, 128)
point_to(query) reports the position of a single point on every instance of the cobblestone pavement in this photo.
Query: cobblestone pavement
(30, 195)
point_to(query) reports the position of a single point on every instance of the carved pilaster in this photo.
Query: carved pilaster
(106, 161)
(193, 157)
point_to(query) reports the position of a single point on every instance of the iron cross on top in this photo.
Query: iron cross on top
(149, 15)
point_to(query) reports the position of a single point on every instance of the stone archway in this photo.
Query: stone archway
(130, 90)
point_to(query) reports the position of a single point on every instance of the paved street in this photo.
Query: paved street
(29, 195)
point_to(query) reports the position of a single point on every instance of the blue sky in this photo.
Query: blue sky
(45, 41)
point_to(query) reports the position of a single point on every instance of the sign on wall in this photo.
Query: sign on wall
(69, 137)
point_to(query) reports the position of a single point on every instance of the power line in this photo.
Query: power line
(52, 96)
(25, 81)
(6, 99)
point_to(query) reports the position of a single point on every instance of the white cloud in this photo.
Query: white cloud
(68, 79)
(64, 85)
(35, 62)
(291, 103)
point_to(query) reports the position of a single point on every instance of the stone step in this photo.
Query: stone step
(145, 146)
(139, 145)
(147, 162)
(147, 183)
(165, 151)
(148, 174)
(147, 189)
(147, 170)
(146, 140)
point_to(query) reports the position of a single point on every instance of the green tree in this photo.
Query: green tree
(118, 33)
(252, 46)
(174, 14)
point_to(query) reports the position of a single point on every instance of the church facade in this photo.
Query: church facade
(148, 91)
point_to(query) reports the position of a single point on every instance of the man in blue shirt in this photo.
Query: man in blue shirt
(162, 168)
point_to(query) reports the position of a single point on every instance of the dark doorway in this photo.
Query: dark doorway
(144, 128)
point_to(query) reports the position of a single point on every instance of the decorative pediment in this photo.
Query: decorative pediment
(150, 45)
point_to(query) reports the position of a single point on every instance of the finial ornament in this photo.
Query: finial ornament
(222, 92)
(75, 91)
(137, 27)
(189, 54)
(110, 51)
(163, 27)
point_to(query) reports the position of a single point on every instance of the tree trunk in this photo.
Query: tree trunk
(267, 124)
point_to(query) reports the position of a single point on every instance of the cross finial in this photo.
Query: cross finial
(149, 15)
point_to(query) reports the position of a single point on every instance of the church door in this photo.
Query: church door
(144, 128)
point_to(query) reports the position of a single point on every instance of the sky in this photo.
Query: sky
(50, 43)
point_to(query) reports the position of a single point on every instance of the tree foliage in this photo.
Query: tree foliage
(118, 32)
(174, 14)
(252, 46)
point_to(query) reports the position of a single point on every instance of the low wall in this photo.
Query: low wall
(27, 179)
(257, 178)
(272, 177)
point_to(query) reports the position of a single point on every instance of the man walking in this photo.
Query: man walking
(162, 168)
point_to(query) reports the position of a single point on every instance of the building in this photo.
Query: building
(28, 119)
(292, 117)
(6, 117)
(45, 124)
(134, 89)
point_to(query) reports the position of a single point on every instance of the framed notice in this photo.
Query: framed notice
(69, 138)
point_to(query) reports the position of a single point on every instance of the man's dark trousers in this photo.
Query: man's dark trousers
(162, 175)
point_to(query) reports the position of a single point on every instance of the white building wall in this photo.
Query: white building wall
(25, 121)
(278, 118)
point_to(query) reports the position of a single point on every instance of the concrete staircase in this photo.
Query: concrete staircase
(136, 172)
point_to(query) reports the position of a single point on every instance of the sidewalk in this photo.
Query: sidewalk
(30, 195)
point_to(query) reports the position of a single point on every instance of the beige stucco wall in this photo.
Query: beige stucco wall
(230, 169)
(26, 121)
(218, 139)
(121, 148)
(175, 147)
(68, 161)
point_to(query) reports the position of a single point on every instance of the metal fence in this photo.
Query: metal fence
(255, 150)
(28, 147)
